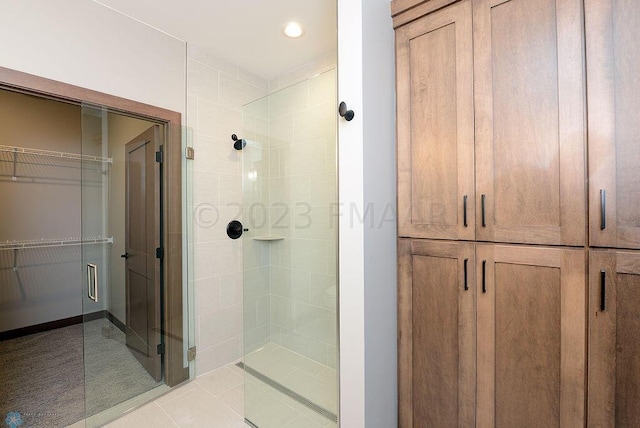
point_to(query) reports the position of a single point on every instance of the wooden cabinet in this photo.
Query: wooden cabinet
(436, 196)
(613, 89)
(491, 133)
(529, 303)
(529, 116)
(493, 100)
(531, 333)
(436, 334)
(614, 348)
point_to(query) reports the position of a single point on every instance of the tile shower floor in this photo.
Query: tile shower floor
(218, 398)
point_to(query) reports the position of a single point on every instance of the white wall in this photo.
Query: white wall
(86, 44)
(367, 242)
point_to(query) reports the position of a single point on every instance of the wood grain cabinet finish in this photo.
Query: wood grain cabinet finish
(491, 129)
(614, 345)
(531, 332)
(529, 121)
(436, 334)
(612, 33)
(434, 63)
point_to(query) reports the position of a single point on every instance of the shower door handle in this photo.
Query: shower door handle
(92, 281)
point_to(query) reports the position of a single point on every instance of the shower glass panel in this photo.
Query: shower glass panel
(290, 305)
(120, 271)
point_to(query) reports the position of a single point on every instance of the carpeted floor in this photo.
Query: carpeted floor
(42, 376)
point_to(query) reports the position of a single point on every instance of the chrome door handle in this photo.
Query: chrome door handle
(92, 281)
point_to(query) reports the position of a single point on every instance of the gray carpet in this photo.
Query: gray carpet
(42, 376)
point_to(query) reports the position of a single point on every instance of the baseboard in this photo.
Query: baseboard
(66, 322)
(115, 321)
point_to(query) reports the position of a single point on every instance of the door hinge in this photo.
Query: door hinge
(159, 253)
(189, 153)
(159, 156)
(161, 349)
(191, 354)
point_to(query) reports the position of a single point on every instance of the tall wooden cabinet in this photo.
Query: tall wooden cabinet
(613, 57)
(437, 352)
(436, 193)
(530, 336)
(518, 171)
(614, 348)
(529, 115)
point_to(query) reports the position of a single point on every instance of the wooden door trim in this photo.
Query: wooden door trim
(13, 80)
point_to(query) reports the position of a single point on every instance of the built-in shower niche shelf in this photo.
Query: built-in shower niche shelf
(268, 238)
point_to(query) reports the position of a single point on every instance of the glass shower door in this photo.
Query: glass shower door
(121, 317)
(289, 252)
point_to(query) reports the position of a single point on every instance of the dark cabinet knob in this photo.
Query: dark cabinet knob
(125, 256)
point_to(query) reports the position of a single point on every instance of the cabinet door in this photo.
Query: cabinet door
(614, 348)
(436, 326)
(531, 336)
(530, 131)
(613, 58)
(435, 125)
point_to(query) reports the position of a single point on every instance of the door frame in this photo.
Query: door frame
(17, 81)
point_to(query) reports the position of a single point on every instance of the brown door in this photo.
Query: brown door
(614, 346)
(529, 117)
(434, 56)
(142, 237)
(613, 89)
(436, 300)
(531, 336)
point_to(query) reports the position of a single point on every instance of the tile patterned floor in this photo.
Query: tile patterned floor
(218, 398)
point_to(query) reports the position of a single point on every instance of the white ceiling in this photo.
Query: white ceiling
(245, 33)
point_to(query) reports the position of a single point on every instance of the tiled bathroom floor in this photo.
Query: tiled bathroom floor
(217, 399)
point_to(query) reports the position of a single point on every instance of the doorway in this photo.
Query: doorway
(114, 354)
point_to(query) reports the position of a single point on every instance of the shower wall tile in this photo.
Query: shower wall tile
(207, 295)
(315, 122)
(231, 290)
(304, 71)
(288, 101)
(203, 81)
(303, 201)
(217, 120)
(217, 92)
(201, 55)
(237, 92)
(322, 89)
(281, 131)
(219, 355)
(220, 326)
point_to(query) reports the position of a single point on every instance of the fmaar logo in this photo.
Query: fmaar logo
(13, 419)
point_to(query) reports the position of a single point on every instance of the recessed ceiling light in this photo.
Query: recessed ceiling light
(293, 30)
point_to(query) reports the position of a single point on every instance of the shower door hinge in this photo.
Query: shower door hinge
(189, 153)
(159, 156)
(191, 354)
(159, 253)
(161, 349)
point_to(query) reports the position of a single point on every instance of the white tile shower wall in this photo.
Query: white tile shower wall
(302, 130)
(216, 92)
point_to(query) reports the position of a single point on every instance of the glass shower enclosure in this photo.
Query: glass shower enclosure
(290, 251)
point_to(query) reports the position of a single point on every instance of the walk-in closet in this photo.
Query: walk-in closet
(80, 304)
